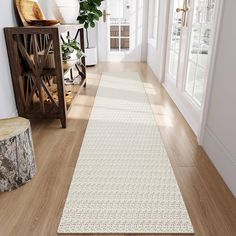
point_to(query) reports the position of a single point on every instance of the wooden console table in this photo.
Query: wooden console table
(38, 70)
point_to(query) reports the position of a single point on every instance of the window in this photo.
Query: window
(200, 44)
(120, 26)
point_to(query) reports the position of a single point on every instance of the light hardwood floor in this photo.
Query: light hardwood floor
(36, 208)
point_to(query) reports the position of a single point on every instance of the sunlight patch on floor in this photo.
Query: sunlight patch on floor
(79, 112)
(150, 91)
(159, 109)
(163, 120)
(84, 100)
(149, 88)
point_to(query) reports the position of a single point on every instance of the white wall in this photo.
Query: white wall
(156, 50)
(144, 49)
(7, 101)
(220, 131)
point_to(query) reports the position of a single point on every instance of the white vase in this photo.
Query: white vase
(67, 11)
(67, 3)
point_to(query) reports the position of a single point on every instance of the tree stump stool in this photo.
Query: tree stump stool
(17, 162)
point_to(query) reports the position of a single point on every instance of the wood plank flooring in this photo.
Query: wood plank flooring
(36, 208)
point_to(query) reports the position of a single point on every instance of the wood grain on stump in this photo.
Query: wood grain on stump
(17, 162)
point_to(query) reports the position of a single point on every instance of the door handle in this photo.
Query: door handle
(185, 11)
(182, 9)
(105, 14)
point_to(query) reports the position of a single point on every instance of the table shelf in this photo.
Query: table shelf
(38, 70)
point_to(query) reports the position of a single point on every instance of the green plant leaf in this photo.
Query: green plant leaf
(90, 17)
(96, 17)
(71, 49)
(98, 2)
(92, 24)
(86, 25)
(99, 13)
(84, 5)
(81, 19)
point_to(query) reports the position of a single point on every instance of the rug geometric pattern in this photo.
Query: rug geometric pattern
(123, 180)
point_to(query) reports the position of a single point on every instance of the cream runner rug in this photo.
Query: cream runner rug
(123, 181)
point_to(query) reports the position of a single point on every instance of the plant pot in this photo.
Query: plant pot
(68, 62)
(91, 56)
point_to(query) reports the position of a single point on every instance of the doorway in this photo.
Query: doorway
(120, 30)
(191, 36)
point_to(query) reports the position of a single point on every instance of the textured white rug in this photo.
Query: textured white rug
(123, 181)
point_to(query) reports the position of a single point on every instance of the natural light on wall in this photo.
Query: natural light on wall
(153, 25)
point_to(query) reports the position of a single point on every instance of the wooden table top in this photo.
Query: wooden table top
(12, 127)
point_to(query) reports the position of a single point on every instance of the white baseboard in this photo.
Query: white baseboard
(221, 158)
(9, 115)
(194, 124)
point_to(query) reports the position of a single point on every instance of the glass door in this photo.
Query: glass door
(119, 26)
(174, 39)
(200, 43)
(120, 31)
(190, 38)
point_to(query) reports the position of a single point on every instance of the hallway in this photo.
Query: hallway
(210, 204)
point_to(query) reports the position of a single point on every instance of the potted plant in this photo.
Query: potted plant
(71, 47)
(71, 50)
(89, 14)
(71, 53)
